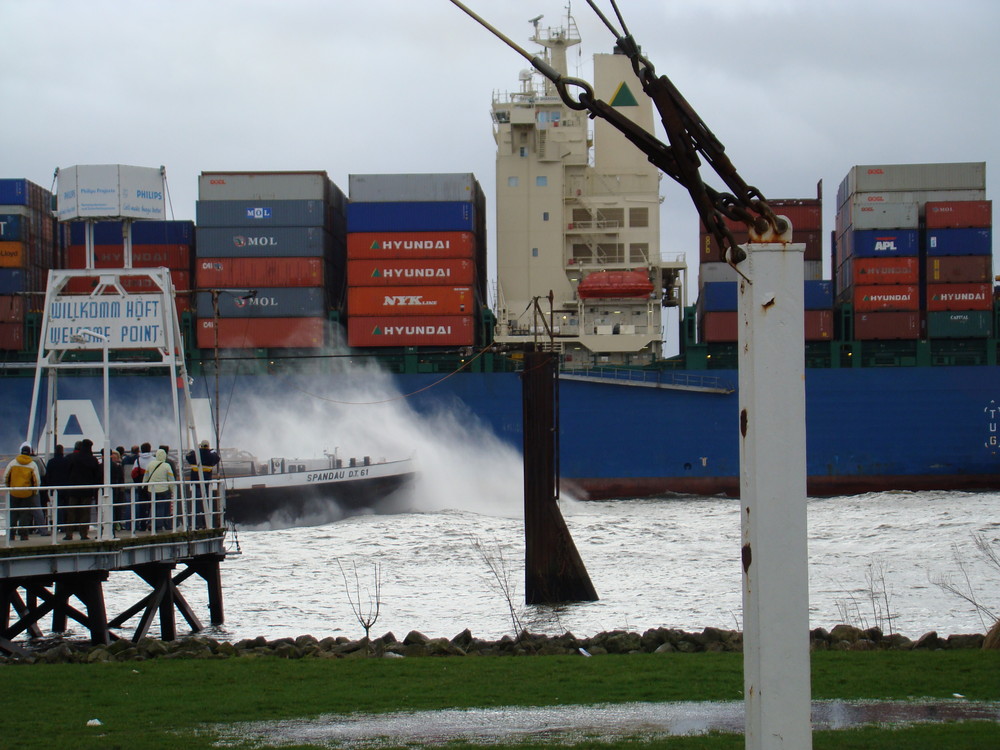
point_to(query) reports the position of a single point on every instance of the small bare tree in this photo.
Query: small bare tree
(964, 588)
(366, 613)
(500, 579)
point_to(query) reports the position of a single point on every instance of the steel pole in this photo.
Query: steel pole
(773, 498)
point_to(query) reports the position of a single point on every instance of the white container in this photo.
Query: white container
(409, 188)
(912, 177)
(249, 186)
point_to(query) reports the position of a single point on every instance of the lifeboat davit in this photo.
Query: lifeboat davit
(615, 284)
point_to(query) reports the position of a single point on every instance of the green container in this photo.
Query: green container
(965, 324)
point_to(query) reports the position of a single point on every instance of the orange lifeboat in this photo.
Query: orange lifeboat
(615, 284)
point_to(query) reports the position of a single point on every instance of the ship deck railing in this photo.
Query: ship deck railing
(118, 512)
(682, 381)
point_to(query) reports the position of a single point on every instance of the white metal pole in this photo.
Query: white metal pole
(773, 499)
(106, 516)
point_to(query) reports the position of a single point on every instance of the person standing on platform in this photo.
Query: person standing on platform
(159, 478)
(21, 477)
(41, 500)
(121, 512)
(142, 509)
(202, 466)
(57, 475)
(83, 470)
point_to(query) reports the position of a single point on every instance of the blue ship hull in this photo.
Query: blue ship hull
(868, 429)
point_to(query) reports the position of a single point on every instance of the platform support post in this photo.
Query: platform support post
(773, 498)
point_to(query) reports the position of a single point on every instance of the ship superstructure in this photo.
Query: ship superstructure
(578, 217)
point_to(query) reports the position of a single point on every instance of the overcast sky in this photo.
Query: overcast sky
(798, 90)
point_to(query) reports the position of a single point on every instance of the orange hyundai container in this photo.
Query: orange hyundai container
(434, 330)
(885, 270)
(381, 245)
(942, 297)
(251, 273)
(427, 272)
(262, 333)
(886, 297)
(410, 300)
(143, 256)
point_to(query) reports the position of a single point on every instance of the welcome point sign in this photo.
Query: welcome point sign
(110, 191)
(118, 321)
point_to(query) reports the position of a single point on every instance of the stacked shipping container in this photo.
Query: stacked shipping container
(270, 259)
(718, 323)
(155, 244)
(28, 249)
(416, 260)
(912, 241)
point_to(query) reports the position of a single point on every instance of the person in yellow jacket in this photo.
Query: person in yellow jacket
(23, 481)
(160, 480)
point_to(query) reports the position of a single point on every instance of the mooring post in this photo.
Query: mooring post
(553, 569)
(773, 499)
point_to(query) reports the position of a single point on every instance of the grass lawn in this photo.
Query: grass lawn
(168, 703)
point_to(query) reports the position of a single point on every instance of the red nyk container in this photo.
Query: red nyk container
(418, 245)
(252, 273)
(942, 297)
(262, 333)
(410, 300)
(958, 214)
(435, 330)
(427, 272)
(897, 297)
(886, 326)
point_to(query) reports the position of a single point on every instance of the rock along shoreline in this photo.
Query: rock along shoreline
(416, 644)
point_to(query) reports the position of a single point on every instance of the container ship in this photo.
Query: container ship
(283, 274)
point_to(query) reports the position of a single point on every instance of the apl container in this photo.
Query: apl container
(434, 330)
(262, 213)
(959, 241)
(410, 300)
(428, 272)
(871, 326)
(267, 302)
(941, 297)
(880, 243)
(400, 188)
(968, 324)
(261, 333)
(958, 269)
(256, 186)
(417, 216)
(896, 297)
(143, 256)
(252, 273)
(957, 214)
(411, 245)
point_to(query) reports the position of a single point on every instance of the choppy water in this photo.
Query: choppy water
(665, 562)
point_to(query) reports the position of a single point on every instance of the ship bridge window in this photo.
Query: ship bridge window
(639, 252)
(541, 181)
(534, 252)
(503, 115)
(523, 151)
(545, 215)
(512, 181)
(638, 217)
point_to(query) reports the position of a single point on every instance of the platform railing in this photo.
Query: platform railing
(115, 511)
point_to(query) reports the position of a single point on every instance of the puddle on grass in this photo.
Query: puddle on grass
(567, 724)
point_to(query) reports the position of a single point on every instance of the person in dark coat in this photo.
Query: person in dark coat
(122, 512)
(57, 475)
(202, 466)
(83, 470)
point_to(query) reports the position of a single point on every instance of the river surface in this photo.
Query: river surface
(875, 559)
